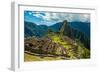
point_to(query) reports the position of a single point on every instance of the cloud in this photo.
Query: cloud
(81, 17)
(51, 16)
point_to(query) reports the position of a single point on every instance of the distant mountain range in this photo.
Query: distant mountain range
(32, 29)
(74, 30)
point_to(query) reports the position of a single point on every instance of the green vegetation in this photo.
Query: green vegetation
(58, 40)
(56, 46)
(28, 57)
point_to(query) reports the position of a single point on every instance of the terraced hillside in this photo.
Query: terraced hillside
(55, 46)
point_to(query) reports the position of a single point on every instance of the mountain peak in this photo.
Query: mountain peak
(65, 23)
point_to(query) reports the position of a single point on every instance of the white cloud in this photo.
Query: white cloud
(37, 15)
(49, 16)
(81, 17)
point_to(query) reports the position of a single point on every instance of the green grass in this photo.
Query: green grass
(57, 39)
(29, 58)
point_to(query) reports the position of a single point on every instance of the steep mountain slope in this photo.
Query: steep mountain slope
(80, 26)
(65, 43)
(31, 29)
(77, 35)
(76, 32)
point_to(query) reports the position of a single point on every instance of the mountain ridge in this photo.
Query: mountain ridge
(31, 29)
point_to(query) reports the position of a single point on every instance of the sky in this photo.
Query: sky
(50, 18)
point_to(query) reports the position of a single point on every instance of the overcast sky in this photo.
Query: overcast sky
(50, 18)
